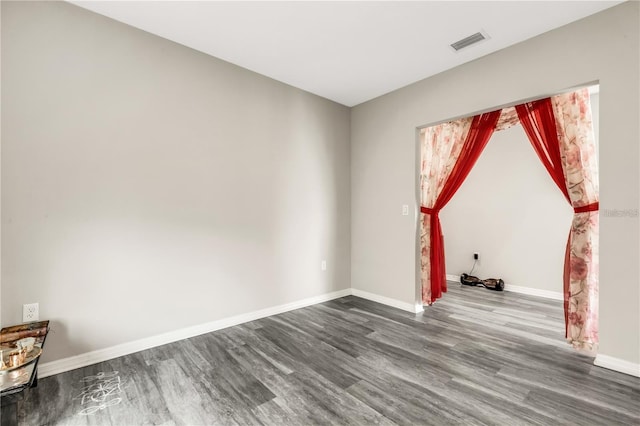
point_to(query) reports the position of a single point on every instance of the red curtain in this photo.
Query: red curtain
(540, 125)
(482, 128)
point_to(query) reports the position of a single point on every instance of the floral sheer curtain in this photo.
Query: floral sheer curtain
(508, 118)
(575, 131)
(441, 146)
(449, 151)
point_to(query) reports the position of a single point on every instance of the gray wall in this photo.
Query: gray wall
(605, 48)
(510, 211)
(147, 187)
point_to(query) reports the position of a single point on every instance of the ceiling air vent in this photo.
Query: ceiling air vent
(468, 41)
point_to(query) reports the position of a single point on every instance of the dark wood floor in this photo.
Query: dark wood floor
(475, 357)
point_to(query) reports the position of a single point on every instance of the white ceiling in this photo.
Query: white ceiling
(346, 51)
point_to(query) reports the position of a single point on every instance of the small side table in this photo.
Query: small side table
(12, 383)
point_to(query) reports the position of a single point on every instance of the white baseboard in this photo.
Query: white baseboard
(415, 308)
(547, 294)
(617, 364)
(100, 355)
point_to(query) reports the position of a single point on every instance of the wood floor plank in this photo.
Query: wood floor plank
(476, 357)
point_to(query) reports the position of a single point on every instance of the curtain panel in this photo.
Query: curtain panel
(560, 129)
(448, 153)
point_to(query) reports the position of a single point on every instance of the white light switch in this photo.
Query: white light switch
(405, 210)
(323, 265)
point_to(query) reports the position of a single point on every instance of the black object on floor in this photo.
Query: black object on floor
(496, 284)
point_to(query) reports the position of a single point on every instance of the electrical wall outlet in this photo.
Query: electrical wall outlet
(30, 312)
(405, 210)
(476, 256)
